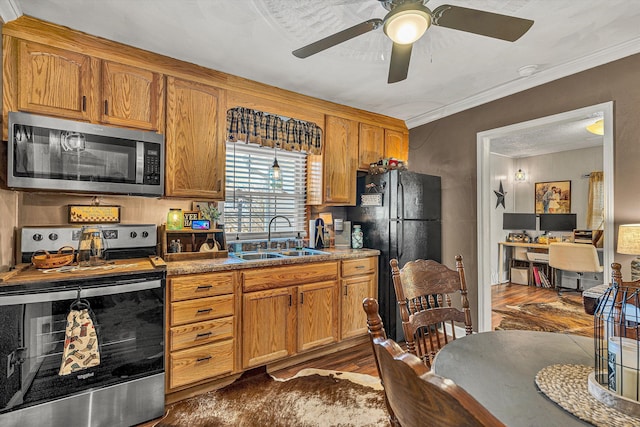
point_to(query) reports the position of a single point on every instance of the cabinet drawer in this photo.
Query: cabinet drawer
(198, 363)
(201, 285)
(259, 279)
(200, 333)
(200, 309)
(356, 267)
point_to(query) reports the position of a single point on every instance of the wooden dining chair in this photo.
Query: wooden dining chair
(414, 395)
(423, 290)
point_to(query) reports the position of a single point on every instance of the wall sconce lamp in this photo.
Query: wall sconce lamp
(520, 176)
(629, 244)
(596, 128)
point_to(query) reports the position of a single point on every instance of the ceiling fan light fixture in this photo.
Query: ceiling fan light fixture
(405, 25)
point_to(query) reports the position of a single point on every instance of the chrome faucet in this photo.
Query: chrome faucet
(269, 234)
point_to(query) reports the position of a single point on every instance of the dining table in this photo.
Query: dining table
(498, 369)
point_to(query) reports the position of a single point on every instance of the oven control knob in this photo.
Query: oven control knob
(37, 237)
(145, 234)
(133, 234)
(53, 236)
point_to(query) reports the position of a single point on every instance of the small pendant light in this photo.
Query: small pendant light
(275, 174)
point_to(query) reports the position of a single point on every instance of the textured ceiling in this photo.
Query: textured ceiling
(450, 70)
(563, 135)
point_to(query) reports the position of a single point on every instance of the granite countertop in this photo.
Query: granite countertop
(230, 263)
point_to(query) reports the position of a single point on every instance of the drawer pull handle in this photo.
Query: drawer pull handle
(203, 359)
(205, 310)
(359, 266)
(204, 287)
(203, 335)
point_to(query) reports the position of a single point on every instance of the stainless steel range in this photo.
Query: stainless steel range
(103, 369)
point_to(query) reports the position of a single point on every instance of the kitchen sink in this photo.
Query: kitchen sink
(302, 252)
(249, 256)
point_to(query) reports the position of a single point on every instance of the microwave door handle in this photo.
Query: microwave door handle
(139, 162)
(72, 294)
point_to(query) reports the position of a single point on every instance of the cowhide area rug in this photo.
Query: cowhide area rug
(564, 316)
(311, 398)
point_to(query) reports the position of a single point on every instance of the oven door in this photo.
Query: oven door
(128, 316)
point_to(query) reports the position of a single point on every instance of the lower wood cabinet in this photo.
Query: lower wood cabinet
(280, 322)
(285, 310)
(201, 334)
(359, 281)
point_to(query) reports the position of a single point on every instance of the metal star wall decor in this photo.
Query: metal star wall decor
(500, 194)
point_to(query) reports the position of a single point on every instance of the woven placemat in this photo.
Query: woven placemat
(567, 385)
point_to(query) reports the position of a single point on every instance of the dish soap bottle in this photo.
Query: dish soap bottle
(299, 242)
(356, 237)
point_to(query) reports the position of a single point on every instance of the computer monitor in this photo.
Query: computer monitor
(557, 222)
(518, 221)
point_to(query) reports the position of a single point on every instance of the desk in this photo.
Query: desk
(498, 368)
(502, 245)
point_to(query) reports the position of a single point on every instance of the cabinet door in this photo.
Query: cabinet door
(54, 81)
(340, 160)
(317, 315)
(267, 326)
(131, 96)
(396, 144)
(370, 145)
(195, 150)
(354, 290)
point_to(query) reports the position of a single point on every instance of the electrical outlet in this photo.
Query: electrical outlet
(11, 363)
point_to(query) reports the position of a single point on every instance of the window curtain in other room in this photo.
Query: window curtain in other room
(595, 202)
(269, 130)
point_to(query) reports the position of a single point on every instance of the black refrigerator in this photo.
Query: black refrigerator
(405, 224)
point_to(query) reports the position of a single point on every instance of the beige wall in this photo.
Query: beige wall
(8, 222)
(447, 147)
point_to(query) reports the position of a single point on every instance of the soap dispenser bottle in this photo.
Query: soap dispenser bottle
(299, 242)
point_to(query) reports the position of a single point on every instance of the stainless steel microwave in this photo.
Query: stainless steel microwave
(47, 153)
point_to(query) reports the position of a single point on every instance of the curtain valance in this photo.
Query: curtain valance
(269, 130)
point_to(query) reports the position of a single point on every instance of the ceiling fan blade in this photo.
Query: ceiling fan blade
(488, 24)
(399, 64)
(337, 38)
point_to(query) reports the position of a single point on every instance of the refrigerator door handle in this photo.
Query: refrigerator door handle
(400, 216)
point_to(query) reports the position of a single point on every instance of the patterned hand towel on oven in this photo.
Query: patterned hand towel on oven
(81, 341)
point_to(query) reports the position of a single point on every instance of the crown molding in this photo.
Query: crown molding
(614, 53)
(9, 10)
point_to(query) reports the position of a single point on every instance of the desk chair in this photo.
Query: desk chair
(423, 290)
(577, 257)
(415, 396)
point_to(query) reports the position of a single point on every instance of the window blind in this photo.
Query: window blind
(252, 199)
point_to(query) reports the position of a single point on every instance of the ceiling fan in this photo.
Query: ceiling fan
(408, 20)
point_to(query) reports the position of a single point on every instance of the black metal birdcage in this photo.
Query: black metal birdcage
(617, 337)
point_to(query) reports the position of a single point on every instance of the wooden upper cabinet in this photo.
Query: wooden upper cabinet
(195, 142)
(396, 144)
(131, 97)
(54, 81)
(370, 145)
(340, 160)
(75, 86)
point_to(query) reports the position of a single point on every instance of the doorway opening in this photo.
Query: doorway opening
(488, 142)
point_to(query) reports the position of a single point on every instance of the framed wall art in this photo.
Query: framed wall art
(553, 197)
